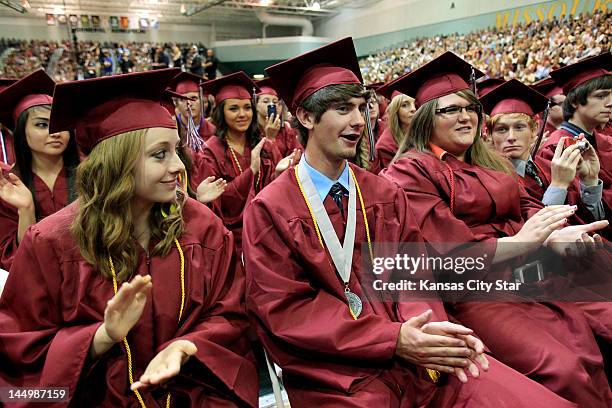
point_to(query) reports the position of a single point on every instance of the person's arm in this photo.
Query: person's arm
(37, 347)
(591, 196)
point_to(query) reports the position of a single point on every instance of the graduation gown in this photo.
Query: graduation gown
(54, 302)
(242, 184)
(48, 202)
(286, 140)
(386, 148)
(532, 338)
(298, 304)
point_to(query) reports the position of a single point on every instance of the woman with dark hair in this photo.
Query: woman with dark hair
(399, 115)
(238, 154)
(41, 181)
(461, 192)
(132, 295)
(272, 126)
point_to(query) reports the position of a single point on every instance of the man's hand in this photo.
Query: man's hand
(430, 346)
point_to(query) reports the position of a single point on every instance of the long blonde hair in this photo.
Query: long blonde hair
(421, 130)
(393, 118)
(104, 224)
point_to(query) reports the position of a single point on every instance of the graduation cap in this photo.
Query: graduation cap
(6, 82)
(485, 86)
(514, 97)
(103, 107)
(388, 91)
(266, 87)
(32, 90)
(234, 86)
(186, 82)
(547, 87)
(442, 76)
(576, 74)
(333, 64)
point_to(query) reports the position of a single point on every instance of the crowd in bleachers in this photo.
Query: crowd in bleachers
(527, 52)
(93, 58)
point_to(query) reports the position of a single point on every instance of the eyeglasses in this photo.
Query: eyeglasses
(454, 110)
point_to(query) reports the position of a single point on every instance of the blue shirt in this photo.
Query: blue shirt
(323, 183)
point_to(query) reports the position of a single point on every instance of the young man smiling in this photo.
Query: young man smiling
(306, 290)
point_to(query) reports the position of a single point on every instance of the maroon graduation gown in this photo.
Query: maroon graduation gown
(551, 343)
(297, 301)
(599, 315)
(48, 202)
(241, 185)
(54, 302)
(286, 140)
(386, 148)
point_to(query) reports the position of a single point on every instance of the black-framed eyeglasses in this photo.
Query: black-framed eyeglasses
(454, 110)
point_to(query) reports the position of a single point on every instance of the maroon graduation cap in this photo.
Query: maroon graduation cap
(6, 82)
(514, 97)
(547, 87)
(485, 86)
(442, 76)
(333, 64)
(388, 91)
(234, 86)
(103, 107)
(576, 74)
(186, 82)
(32, 90)
(266, 87)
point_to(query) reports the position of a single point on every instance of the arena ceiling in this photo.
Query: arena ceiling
(186, 11)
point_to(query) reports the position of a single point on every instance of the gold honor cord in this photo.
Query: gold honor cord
(354, 301)
(125, 342)
(433, 374)
(240, 167)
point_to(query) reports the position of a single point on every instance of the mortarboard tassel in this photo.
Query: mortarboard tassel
(536, 146)
(473, 81)
(370, 131)
(201, 96)
(194, 140)
(3, 146)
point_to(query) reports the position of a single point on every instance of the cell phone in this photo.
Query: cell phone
(272, 111)
(576, 140)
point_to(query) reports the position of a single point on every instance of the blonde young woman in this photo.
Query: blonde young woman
(462, 192)
(131, 296)
(399, 115)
